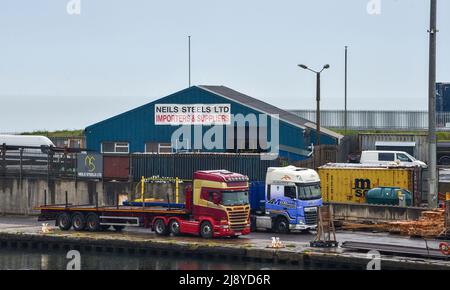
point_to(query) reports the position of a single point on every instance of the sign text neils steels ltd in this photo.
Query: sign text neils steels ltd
(192, 114)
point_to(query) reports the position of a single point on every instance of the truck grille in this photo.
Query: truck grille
(238, 217)
(311, 215)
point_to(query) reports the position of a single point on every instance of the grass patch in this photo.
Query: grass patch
(443, 136)
(58, 133)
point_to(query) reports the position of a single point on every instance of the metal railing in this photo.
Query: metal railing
(376, 120)
(21, 161)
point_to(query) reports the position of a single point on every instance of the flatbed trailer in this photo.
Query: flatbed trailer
(93, 218)
(216, 205)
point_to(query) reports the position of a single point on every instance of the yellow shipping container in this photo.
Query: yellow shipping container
(350, 184)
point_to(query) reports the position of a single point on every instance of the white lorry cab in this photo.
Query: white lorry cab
(290, 200)
(390, 158)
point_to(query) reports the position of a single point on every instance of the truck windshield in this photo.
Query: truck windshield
(309, 191)
(234, 197)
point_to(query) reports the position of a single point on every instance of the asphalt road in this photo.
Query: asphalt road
(23, 222)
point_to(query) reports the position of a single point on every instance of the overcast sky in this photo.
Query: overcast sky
(62, 71)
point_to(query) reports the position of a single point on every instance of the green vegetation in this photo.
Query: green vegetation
(58, 133)
(443, 136)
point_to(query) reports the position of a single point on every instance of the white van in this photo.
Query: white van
(390, 158)
(28, 141)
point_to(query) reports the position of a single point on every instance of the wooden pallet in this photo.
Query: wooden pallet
(430, 224)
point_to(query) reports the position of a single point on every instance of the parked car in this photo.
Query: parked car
(390, 158)
(389, 196)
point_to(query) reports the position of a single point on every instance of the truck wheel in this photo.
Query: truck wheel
(174, 227)
(118, 228)
(160, 228)
(92, 222)
(63, 221)
(281, 226)
(206, 230)
(78, 221)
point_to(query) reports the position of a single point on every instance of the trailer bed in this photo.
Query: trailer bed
(95, 217)
(112, 209)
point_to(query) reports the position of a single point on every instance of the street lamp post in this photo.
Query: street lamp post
(327, 66)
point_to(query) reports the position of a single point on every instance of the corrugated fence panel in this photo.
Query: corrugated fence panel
(116, 167)
(184, 165)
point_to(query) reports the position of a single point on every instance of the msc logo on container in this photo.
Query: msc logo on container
(361, 187)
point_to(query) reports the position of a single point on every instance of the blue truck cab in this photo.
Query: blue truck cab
(287, 200)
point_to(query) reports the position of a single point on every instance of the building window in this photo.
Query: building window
(115, 147)
(154, 147)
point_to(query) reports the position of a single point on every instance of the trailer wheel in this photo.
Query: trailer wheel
(206, 230)
(63, 221)
(281, 225)
(160, 228)
(92, 222)
(78, 221)
(118, 228)
(174, 227)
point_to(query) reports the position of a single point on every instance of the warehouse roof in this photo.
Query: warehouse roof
(266, 108)
(247, 101)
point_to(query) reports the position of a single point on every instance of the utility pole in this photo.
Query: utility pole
(318, 109)
(432, 180)
(345, 102)
(189, 48)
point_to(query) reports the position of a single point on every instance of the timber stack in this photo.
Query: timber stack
(430, 224)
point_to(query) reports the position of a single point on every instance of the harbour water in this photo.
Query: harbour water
(56, 260)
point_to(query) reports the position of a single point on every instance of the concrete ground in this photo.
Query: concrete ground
(30, 224)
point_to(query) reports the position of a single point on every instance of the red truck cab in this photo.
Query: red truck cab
(221, 198)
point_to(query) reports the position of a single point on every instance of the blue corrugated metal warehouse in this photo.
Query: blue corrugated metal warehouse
(150, 128)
